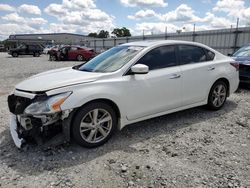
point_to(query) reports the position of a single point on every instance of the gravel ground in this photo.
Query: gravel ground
(191, 148)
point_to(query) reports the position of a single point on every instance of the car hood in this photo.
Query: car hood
(242, 59)
(57, 78)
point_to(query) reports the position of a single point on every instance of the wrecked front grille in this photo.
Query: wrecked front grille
(18, 104)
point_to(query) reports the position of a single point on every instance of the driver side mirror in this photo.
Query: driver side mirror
(139, 69)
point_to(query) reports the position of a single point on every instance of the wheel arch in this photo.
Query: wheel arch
(104, 100)
(225, 80)
(80, 55)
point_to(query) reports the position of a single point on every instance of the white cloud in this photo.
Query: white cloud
(229, 5)
(216, 22)
(182, 13)
(15, 18)
(6, 7)
(234, 9)
(143, 14)
(55, 10)
(78, 4)
(155, 28)
(81, 17)
(30, 9)
(14, 28)
(134, 3)
(62, 28)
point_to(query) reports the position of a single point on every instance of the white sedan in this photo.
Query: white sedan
(126, 84)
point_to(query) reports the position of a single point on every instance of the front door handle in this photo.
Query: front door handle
(211, 68)
(174, 76)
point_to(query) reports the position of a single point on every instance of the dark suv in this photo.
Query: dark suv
(26, 49)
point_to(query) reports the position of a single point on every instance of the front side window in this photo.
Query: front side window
(160, 57)
(191, 54)
(111, 60)
(21, 46)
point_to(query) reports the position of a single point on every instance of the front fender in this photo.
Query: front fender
(84, 93)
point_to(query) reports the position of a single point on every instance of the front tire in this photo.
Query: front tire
(52, 58)
(217, 95)
(94, 124)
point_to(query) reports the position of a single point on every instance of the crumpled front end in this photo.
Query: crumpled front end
(33, 120)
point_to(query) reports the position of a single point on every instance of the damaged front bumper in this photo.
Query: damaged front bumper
(13, 131)
(43, 129)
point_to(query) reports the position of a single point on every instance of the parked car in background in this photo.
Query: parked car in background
(47, 49)
(71, 53)
(2, 48)
(26, 49)
(126, 84)
(242, 56)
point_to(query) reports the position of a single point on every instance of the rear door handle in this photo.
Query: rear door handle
(211, 68)
(174, 76)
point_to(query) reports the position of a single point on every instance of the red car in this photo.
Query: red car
(72, 53)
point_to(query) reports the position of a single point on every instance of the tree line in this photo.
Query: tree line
(118, 32)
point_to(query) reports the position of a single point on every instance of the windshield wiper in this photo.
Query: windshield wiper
(86, 70)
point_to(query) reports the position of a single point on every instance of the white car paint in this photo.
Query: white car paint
(140, 96)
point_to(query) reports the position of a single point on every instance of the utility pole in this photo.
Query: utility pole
(236, 35)
(166, 33)
(194, 33)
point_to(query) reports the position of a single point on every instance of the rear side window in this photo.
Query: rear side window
(160, 57)
(31, 47)
(210, 55)
(74, 48)
(191, 54)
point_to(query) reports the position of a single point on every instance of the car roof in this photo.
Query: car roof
(155, 43)
(148, 43)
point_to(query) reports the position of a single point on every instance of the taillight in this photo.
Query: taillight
(235, 65)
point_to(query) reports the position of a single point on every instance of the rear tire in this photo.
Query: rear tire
(94, 124)
(36, 54)
(79, 57)
(14, 54)
(217, 95)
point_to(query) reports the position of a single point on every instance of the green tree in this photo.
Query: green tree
(121, 32)
(103, 34)
(92, 34)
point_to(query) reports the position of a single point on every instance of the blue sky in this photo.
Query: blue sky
(152, 16)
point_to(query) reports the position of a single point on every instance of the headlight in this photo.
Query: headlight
(50, 105)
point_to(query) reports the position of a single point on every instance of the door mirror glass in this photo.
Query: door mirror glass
(139, 69)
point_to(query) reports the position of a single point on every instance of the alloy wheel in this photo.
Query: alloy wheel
(96, 125)
(80, 58)
(219, 95)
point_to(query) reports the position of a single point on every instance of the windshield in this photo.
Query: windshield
(244, 52)
(21, 46)
(112, 59)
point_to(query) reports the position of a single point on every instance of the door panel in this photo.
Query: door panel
(196, 81)
(152, 93)
(197, 73)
